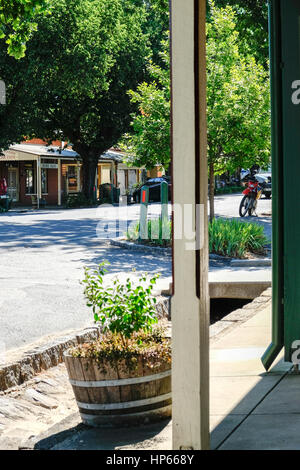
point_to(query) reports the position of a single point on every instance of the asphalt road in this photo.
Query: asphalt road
(42, 258)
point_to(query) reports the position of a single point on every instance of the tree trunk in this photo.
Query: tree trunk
(89, 166)
(211, 191)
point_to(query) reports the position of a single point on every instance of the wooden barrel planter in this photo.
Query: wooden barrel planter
(116, 396)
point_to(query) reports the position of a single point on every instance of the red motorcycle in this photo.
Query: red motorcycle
(251, 195)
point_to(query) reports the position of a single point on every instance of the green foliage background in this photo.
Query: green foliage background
(85, 56)
(72, 84)
(238, 103)
(17, 22)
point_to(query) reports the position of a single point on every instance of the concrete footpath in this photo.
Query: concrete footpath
(249, 408)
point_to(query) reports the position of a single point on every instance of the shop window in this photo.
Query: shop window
(72, 178)
(30, 181)
(105, 174)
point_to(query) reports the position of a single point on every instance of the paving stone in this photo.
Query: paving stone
(237, 315)
(12, 409)
(48, 381)
(260, 300)
(219, 327)
(39, 399)
(267, 292)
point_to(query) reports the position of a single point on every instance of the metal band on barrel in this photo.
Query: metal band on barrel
(108, 419)
(122, 405)
(120, 382)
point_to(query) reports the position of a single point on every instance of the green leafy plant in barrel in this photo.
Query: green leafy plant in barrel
(127, 318)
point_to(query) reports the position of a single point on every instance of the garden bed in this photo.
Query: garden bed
(228, 238)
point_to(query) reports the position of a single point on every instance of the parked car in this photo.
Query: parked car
(154, 189)
(264, 178)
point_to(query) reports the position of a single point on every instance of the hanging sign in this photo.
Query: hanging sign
(49, 166)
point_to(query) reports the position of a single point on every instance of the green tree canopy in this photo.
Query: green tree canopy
(238, 101)
(238, 106)
(149, 142)
(17, 22)
(72, 84)
(251, 23)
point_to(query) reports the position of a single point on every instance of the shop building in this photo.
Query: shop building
(39, 174)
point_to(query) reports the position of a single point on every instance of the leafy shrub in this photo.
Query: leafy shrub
(235, 238)
(123, 309)
(108, 193)
(153, 348)
(77, 200)
(229, 190)
(227, 237)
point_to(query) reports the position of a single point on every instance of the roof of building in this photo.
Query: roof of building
(117, 157)
(57, 152)
(43, 151)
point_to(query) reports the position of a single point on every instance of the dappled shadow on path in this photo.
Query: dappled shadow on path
(79, 236)
(40, 232)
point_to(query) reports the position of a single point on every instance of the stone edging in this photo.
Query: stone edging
(237, 317)
(255, 262)
(27, 364)
(41, 358)
(154, 250)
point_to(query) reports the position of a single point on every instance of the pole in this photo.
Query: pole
(164, 229)
(190, 303)
(59, 182)
(39, 181)
(143, 235)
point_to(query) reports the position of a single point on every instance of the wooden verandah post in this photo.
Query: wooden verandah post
(190, 303)
(38, 181)
(59, 181)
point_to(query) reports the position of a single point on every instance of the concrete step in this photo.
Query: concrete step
(229, 283)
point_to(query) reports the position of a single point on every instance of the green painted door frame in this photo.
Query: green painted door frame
(285, 89)
(277, 171)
